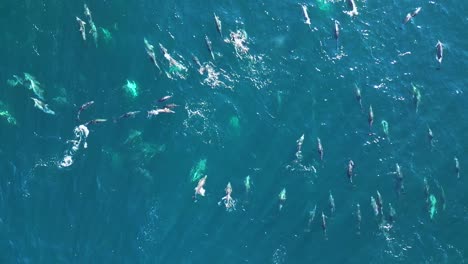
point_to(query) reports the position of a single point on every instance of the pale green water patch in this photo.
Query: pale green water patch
(198, 170)
(234, 125)
(131, 88)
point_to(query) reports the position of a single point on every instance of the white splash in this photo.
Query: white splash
(81, 133)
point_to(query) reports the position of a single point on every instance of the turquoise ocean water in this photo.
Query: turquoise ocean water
(128, 196)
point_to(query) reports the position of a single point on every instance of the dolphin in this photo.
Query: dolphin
(374, 206)
(127, 115)
(299, 142)
(426, 190)
(457, 167)
(282, 198)
(150, 51)
(311, 218)
(165, 98)
(371, 116)
(439, 51)
(349, 170)
(391, 213)
(430, 135)
(409, 16)
(201, 68)
(42, 106)
(331, 203)
(82, 108)
(320, 148)
(248, 186)
(82, 27)
(171, 106)
(359, 217)
(358, 96)
(306, 15)
(336, 32)
(218, 24)
(353, 6)
(209, 46)
(379, 203)
(399, 179)
(199, 190)
(324, 225)
(158, 111)
(95, 121)
(228, 201)
(416, 96)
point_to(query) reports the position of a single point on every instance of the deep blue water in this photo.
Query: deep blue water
(130, 199)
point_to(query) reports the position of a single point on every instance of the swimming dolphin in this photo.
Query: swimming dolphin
(426, 190)
(165, 98)
(171, 106)
(391, 213)
(306, 15)
(201, 68)
(228, 201)
(150, 51)
(331, 203)
(399, 179)
(218, 24)
(374, 206)
(385, 127)
(353, 6)
(93, 30)
(42, 106)
(127, 115)
(358, 96)
(371, 116)
(95, 121)
(248, 186)
(34, 85)
(82, 27)
(311, 218)
(457, 167)
(439, 51)
(379, 203)
(430, 135)
(209, 46)
(299, 142)
(359, 217)
(83, 107)
(349, 170)
(320, 148)
(336, 32)
(416, 96)
(282, 198)
(158, 111)
(442, 194)
(324, 225)
(199, 190)
(409, 16)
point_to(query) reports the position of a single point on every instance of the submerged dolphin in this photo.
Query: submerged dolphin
(331, 203)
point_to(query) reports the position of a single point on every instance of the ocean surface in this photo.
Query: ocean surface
(125, 193)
